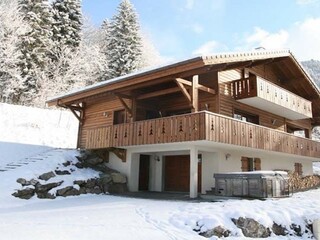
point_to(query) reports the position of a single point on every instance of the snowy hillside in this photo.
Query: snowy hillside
(26, 131)
(36, 126)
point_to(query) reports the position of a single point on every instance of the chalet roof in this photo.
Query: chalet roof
(220, 59)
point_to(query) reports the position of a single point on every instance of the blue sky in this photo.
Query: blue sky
(184, 28)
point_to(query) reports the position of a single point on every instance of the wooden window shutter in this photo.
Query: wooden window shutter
(298, 168)
(244, 164)
(257, 164)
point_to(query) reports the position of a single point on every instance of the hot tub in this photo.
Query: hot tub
(256, 184)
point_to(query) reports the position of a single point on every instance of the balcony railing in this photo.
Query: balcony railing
(200, 126)
(257, 92)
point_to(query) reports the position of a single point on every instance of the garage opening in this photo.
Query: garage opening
(177, 174)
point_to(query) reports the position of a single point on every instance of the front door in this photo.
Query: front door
(144, 167)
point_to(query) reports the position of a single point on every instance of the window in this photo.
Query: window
(250, 164)
(247, 117)
(178, 112)
(119, 116)
(298, 168)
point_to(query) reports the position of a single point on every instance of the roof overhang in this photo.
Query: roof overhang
(218, 62)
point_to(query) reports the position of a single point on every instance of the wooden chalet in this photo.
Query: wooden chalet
(171, 128)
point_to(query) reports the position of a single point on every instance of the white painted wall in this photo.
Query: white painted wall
(210, 165)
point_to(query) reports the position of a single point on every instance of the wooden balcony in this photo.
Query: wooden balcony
(262, 94)
(200, 126)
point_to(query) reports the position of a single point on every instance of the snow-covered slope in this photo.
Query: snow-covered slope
(36, 126)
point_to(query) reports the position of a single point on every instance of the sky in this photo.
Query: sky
(186, 28)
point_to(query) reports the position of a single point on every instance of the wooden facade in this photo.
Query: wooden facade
(254, 100)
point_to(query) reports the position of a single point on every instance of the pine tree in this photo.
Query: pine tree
(36, 45)
(67, 22)
(124, 44)
(12, 27)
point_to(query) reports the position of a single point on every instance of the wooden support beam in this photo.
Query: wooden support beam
(102, 153)
(77, 111)
(206, 89)
(76, 114)
(183, 89)
(119, 152)
(195, 93)
(125, 105)
(158, 93)
(123, 95)
(200, 86)
(183, 81)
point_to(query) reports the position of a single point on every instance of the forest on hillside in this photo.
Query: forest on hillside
(48, 47)
(313, 68)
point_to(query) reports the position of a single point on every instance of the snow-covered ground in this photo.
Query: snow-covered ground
(110, 217)
(103, 216)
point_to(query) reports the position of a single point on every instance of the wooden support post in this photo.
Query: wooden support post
(134, 109)
(195, 93)
(308, 133)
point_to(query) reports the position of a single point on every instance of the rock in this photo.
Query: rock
(82, 190)
(47, 176)
(24, 182)
(68, 191)
(297, 229)
(46, 195)
(251, 228)
(26, 193)
(62, 172)
(218, 231)
(79, 182)
(62, 191)
(91, 183)
(93, 161)
(279, 230)
(83, 155)
(103, 167)
(94, 190)
(118, 178)
(79, 165)
(33, 182)
(104, 182)
(117, 188)
(47, 187)
(66, 164)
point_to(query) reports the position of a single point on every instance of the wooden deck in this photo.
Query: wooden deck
(200, 126)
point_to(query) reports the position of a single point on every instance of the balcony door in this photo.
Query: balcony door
(246, 117)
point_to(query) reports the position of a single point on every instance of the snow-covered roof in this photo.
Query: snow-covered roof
(228, 57)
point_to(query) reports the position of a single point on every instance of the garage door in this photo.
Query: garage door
(177, 173)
